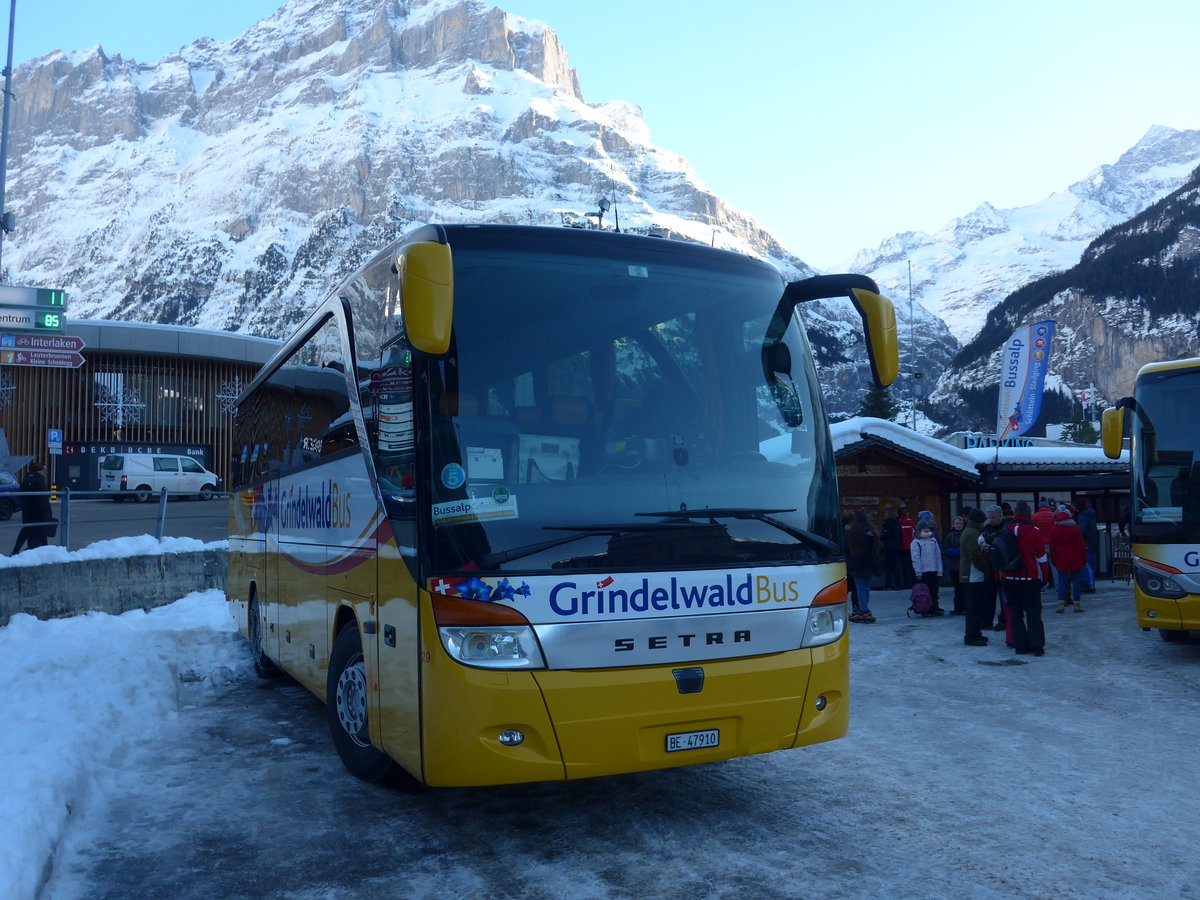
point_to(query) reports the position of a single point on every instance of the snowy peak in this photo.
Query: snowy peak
(974, 262)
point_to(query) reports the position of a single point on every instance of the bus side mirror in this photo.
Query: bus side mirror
(879, 326)
(877, 313)
(1112, 430)
(426, 274)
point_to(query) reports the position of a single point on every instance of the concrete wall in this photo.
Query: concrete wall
(108, 585)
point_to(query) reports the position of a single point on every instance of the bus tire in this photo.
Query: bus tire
(263, 666)
(346, 705)
(1172, 636)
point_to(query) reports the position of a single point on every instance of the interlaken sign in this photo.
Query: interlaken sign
(59, 351)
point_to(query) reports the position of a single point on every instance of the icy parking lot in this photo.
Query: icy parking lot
(142, 759)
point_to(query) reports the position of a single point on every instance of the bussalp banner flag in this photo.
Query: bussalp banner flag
(1023, 364)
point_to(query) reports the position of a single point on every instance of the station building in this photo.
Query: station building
(881, 464)
(141, 388)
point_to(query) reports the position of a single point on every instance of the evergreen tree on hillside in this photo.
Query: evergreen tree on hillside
(878, 404)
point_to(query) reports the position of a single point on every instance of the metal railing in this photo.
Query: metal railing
(65, 498)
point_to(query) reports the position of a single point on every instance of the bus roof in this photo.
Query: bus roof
(1168, 366)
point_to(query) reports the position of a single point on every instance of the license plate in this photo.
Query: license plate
(693, 740)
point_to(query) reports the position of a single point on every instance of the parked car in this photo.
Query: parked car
(9, 502)
(143, 475)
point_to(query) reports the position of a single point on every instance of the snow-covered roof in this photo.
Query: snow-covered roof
(1047, 457)
(864, 429)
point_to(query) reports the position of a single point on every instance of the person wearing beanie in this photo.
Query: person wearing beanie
(35, 510)
(974, 573)
(926, 556)
(1068, 554)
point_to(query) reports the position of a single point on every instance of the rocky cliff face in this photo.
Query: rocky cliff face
(232, 184)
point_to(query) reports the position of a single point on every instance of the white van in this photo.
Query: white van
(143, 475)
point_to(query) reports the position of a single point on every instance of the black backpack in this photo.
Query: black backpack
(1003, 555)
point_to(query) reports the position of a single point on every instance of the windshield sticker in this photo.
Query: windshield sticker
(628, 596)
(476, 509)
(453, 476)
(485, 463)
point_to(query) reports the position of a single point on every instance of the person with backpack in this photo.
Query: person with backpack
(926, 557)
(860, 563)
(976, 577)
(1023, 571)
(1068, 554)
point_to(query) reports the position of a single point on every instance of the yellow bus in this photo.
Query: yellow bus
(527, 504)
(1165, 512)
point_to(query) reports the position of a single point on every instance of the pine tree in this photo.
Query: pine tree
(1080, 431)
(878, 403)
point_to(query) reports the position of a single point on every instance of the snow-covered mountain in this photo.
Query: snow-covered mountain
(974, 262)
(1133, 298)
(231, 184)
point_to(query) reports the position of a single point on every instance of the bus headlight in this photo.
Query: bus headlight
(494, 646)
(825, 625)
(1159, 584)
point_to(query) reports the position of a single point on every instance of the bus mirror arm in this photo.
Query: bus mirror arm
(876, 311)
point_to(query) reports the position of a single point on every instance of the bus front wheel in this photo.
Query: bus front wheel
(262, 665)
(346, 704)
(1171, 635)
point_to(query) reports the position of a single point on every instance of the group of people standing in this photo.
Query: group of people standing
(1003, 583)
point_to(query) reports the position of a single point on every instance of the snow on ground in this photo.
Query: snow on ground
(967, 772)
(78, 694)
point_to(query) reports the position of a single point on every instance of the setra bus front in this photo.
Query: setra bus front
(622, 520)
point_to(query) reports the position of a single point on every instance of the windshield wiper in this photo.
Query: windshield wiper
(761, 515)
(503, 556)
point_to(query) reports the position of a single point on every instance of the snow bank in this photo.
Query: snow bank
(91, 687)
(140, 545)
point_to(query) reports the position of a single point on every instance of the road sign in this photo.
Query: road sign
(12, 295)
(55, 359)
(54, 440)
(65, 342)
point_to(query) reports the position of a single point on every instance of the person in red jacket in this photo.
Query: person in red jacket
(1068, 554)
(1044, 520)
(1023, 586)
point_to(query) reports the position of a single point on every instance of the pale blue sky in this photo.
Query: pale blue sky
(835, 123)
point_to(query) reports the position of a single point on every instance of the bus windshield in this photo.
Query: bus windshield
(1166, 433)
(613, 406)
